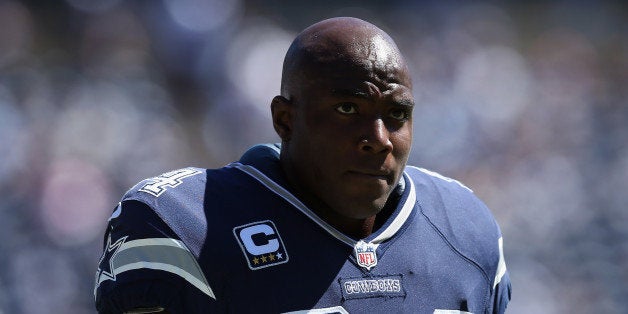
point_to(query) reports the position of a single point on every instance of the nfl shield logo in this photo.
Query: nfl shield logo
(365, 254)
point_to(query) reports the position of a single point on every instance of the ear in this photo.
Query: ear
(282, 111)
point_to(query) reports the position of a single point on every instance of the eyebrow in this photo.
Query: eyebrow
(357, 93)
(405, 103)
(346, 92)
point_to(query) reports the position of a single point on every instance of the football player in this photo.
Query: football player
(329, 221)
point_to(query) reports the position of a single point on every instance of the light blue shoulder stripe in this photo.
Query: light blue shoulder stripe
(164, 254)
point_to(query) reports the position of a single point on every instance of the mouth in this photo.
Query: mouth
(371, 175)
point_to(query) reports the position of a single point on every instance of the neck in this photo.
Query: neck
(361, 228)
(357, 228)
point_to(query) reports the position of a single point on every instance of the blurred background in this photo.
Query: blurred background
(526, 102)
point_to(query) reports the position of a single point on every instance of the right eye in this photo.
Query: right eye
(347, 108)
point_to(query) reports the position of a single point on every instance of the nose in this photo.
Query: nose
(376, 139)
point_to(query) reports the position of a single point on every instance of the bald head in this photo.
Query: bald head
(344, 117)
(336, 46)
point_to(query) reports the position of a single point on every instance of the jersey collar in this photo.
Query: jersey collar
(261, 162)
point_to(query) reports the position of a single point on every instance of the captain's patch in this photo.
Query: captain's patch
(261, 244)
(370, 287)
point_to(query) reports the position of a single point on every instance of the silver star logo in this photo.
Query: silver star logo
(109, 254)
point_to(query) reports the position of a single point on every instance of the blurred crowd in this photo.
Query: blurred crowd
(526, 102)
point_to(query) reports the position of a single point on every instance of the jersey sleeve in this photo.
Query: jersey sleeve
(144, 265)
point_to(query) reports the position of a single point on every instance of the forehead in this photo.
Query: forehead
(352, 57)
(378, 52)
(362, 78)
(373, 55)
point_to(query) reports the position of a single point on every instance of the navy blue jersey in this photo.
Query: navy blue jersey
(236, 239)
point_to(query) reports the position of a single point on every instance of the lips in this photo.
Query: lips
(372, 174)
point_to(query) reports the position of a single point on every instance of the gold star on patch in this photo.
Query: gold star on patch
(263, 259)
(255, 260)
(271, 256)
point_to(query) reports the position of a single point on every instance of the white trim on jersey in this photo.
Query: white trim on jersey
(390, 231)
(501, 266)
(164, 254)
(401, 217)
(334, 310)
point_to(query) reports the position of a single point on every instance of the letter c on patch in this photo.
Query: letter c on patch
(247, 234)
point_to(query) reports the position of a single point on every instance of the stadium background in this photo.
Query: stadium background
(525, 102)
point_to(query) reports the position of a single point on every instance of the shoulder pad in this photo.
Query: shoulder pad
(177, 198)
(460, 217)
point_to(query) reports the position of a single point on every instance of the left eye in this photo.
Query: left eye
(347, 108)
(398, 114)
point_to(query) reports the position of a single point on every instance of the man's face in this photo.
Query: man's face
(351, 134)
